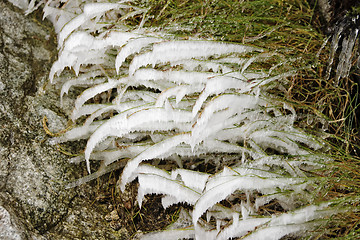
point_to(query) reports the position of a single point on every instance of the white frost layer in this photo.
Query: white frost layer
(173, 234)
(82, 48)
(90, 10)
(219, 188)
(203, 99)
(133, 47)
(22, 4)
(174, 51)
(152, 152)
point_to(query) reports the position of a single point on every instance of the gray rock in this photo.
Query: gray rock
(8, 230)
(33, 201)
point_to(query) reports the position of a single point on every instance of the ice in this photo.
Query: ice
(123, 123)
(219, 187)
(151, 153)
(152, 183)
(344, 65)
(102, 108)
(81, 48)
(178, 91)
(274, 233)
(218, 85)
(201, 101)
(81, 132)
(86, 109)
(111, 156)
(91, 10)
(95, 175)
(192, 179)
(132, 47)
(231, 104)
(90, 93)
(83, 80)
(286, 223)
(178, 77)
(174, 51)
(174, 234)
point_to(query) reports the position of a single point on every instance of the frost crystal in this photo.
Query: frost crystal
(147, 97)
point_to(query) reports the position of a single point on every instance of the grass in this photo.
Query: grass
(293, 28)
(288, 27)
(281, 25)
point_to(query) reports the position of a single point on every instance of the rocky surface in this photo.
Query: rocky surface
(33, 201)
